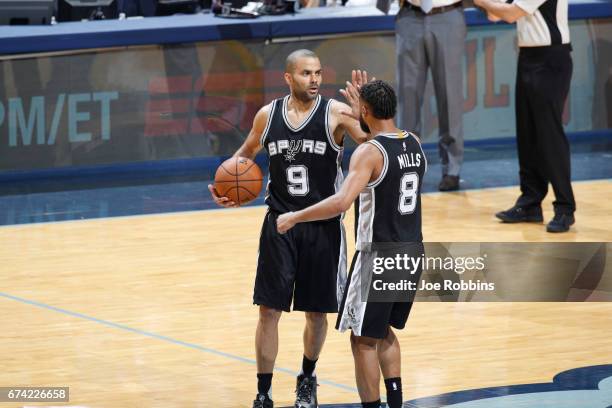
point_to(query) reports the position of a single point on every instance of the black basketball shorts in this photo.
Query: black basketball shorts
(307, 264)
(369, 319)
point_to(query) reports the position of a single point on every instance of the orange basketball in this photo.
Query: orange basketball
(239, 179)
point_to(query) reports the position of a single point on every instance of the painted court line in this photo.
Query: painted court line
(247, 208)
(166, 339)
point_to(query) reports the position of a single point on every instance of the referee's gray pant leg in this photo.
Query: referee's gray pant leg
(412, 65)
(445, 49)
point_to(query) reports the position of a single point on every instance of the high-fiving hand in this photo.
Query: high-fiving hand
(351, 92)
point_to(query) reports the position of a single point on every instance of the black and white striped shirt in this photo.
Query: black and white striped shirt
(545, 25)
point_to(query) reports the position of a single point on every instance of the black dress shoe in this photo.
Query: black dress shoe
(520, 214)
(560, 223)
(449, 183)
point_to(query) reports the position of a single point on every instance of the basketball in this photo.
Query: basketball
(239, 179)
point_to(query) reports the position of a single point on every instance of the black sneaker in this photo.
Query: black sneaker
(263, 401)
(306, 392)
(560, 223)
(449, 183)
(520, 214)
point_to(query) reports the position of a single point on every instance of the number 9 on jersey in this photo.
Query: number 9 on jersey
(297, 180)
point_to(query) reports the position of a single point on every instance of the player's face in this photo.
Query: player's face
(305, 79)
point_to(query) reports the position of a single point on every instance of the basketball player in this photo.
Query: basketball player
(302, 134)
(386, 173)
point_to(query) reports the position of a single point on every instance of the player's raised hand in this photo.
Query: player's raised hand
(359, 78)
(284, 222)
(222, 201)
(351, 94)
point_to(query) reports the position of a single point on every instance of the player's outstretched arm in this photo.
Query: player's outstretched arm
(363, 163)
(249, 149)
(347, 123)
(252, 144)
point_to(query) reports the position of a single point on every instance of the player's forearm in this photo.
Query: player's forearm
(246, 151)
(329, 208)
(358, 135)
(507, 12)
(355, 132)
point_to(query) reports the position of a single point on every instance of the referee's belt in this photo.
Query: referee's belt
(435, 10)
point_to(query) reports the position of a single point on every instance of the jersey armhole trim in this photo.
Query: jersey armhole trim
(383, 173)
(420, 147)
(264, 134)
(330, 135)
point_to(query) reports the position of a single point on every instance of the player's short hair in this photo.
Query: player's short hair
(292, 58)
(381, 98)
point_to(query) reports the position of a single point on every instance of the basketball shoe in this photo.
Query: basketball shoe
(306, 392)
(263, 401)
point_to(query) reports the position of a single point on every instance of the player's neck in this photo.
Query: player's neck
(383, 126)
(300, 106)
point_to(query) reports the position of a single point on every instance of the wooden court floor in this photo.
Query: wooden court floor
(155, 311)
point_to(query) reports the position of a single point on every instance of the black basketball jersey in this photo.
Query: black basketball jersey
(305, 162)
(390, 206)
